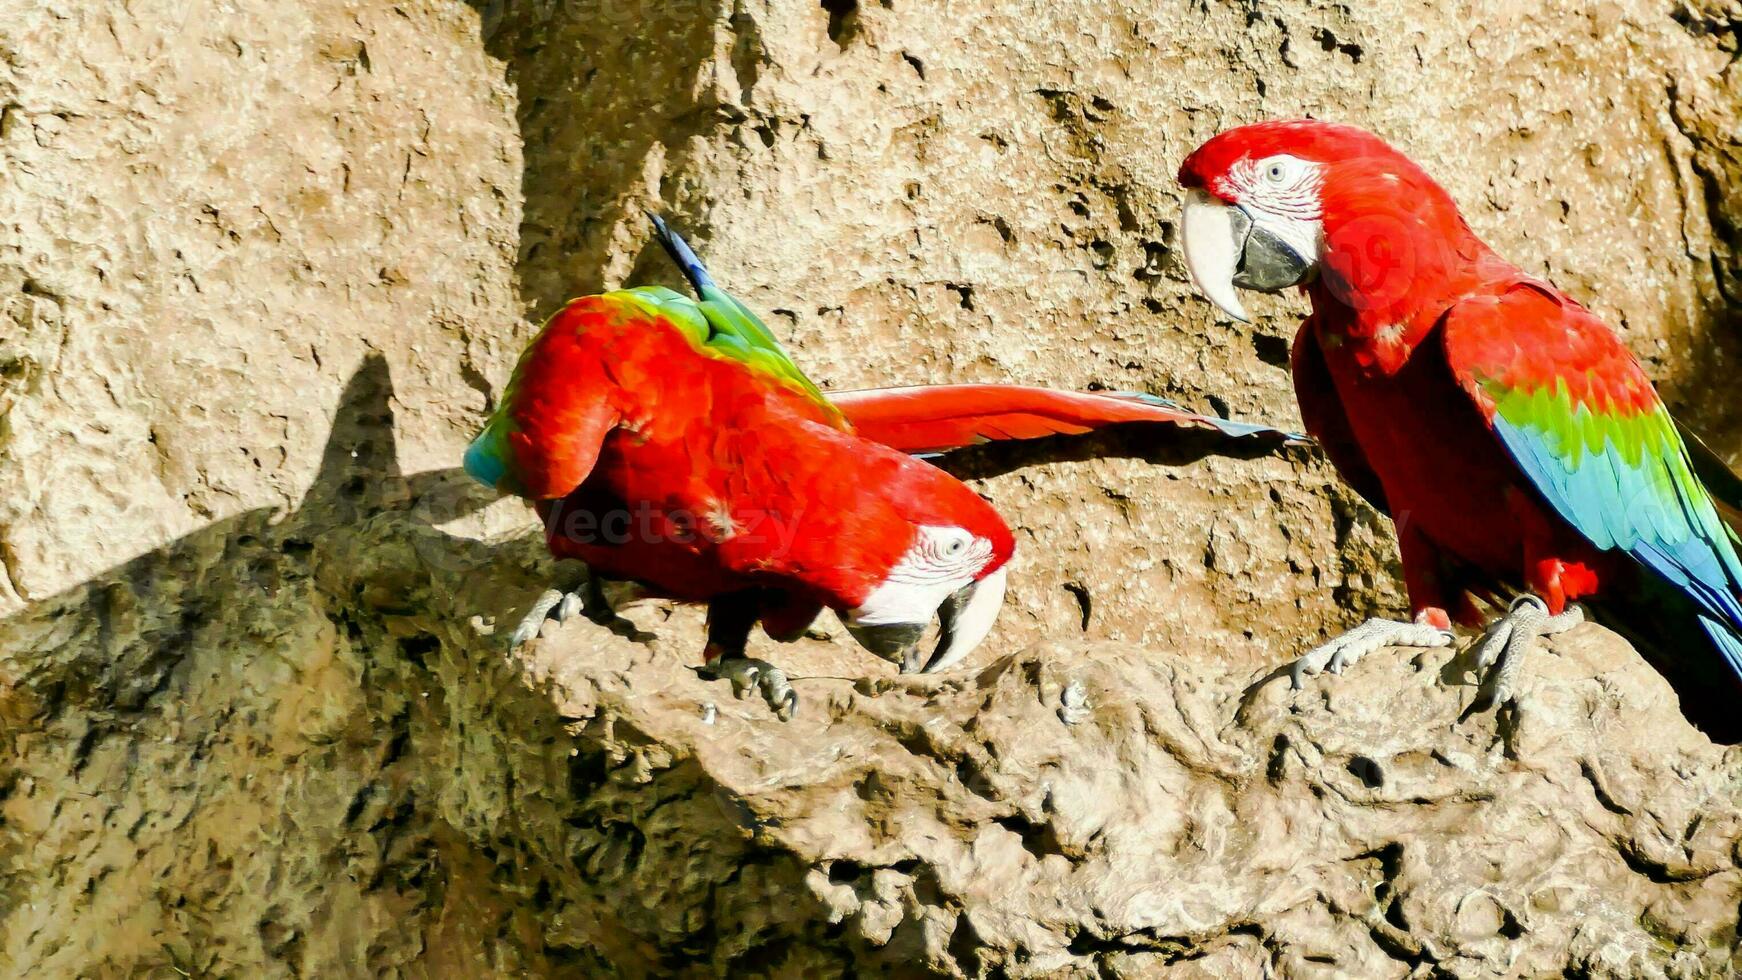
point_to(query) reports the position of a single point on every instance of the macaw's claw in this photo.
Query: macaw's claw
(546, 606)
(1372, 635)
(747, 674)
(588, 600)
(1509, 639)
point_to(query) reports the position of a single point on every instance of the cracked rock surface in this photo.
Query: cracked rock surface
(264, 267)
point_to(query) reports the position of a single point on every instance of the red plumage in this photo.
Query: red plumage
(1514, 439)
(1378, 389)
(937, 418)
(673, 442)
(725, 480)
(697, 475)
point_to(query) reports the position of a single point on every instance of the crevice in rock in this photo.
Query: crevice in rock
(1270, 349)
(1600, 791)
(1085, 603)
(1371, 774)
(1328, 41)
(1040, 840)
(1655, 870)
(1277, 766)
(1174, 949)
(965, 945)
(416, 649)
(843, 21)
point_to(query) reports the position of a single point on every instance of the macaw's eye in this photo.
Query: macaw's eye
(955, 548)
(1276, 172)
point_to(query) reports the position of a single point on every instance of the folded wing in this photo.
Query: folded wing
(1581, 420)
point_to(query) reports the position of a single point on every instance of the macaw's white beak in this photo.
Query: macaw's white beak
(965, 617)
(1226, 248)
(1213, 240)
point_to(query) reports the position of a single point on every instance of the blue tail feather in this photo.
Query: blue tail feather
(1695, 649)
(681, 255)
(1228, 427)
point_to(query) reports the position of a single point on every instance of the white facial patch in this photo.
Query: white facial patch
(1282, 193)
(941, 560)
(1282, 185)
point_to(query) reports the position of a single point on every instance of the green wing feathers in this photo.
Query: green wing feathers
(732, 329)
(723, 327)
(1580, 419)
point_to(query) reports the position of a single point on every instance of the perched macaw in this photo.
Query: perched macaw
(673, 443)
(1516, 442)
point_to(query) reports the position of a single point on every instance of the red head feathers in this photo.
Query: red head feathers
(1298, 202)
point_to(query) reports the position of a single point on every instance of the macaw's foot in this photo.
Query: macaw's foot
(588, 600)
(747, 674)
(1508, 639)
(1372, 635)
(551, 604)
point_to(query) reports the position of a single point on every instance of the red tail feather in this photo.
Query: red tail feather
(938, 418)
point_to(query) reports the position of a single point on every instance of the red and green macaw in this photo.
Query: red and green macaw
(1518, 445)
(672, 442)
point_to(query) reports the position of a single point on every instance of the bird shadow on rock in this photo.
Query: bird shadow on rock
(310, 677)
(1706, 399)
(309, 696)
(118, 639)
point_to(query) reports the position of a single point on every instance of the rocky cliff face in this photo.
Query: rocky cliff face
(263, 268)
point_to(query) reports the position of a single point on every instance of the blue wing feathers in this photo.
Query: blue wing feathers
(484, 457)
(1607, 458)
(1644, 510)
(1727, 641)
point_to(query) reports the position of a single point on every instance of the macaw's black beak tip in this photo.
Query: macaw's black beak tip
(1269, 264)
(964, 618)
(897, 643)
